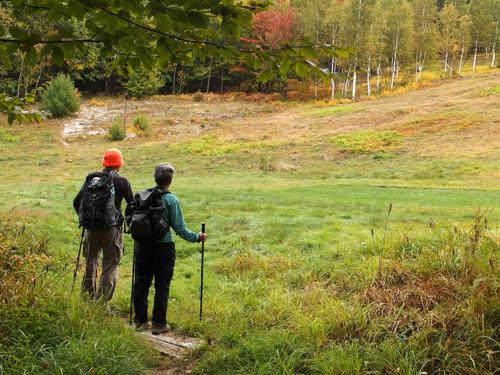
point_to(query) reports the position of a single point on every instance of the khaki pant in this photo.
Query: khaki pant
(110, 242)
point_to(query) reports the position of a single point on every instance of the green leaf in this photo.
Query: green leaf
(265, 76)
(163, 22)
(30, 98)
(284, 68)
(163, 49)
(301, 69)
(30, 56)
(57, 56)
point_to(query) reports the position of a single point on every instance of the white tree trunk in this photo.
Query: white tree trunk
(354, 77)
(422, 63)
(332, 67)
(39, 76)
(378, 75)
(368, 77)
(416, 67)
(20, 78)
(446, 61)
(393, 73)
(394, 58)
(493, 47)
(475, 58)
(461, 59)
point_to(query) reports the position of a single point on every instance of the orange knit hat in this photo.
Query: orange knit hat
(112, 158)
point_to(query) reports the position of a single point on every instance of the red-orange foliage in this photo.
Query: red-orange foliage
(273, 27)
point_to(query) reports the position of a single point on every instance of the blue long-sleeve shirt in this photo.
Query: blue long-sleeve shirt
(176, 221)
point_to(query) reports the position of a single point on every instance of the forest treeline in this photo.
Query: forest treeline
(382, 36)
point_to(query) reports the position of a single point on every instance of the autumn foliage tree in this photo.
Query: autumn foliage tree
(274, 27)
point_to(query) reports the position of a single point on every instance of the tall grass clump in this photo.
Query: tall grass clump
(61, 98)
(117, 132)
(44, 329)
(434, 307)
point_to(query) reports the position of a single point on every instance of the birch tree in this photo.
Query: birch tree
(374, 45)
(449, 26)
(482, 22)
(464, 33)
(495, 34)
(333, 22)
(425, 33)
(399, 20)
(358, 23)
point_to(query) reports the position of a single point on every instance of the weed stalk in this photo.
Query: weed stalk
(383, 242)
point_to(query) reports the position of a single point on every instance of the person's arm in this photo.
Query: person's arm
(77, 201)
(128, 194)
(176, 221)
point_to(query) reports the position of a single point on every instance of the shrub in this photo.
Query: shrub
(117, 132)
(197, 96)
(61, 98)
(142, 124)
(142, 83)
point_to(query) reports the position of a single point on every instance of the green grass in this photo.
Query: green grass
(493, 90)
(292, 258)
(334, 110)
(366, 141)
(46, 329)
(7, 137)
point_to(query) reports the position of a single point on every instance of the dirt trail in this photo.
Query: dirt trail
(97, 114)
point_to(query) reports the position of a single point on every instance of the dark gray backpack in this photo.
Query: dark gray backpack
(97, 207)
(146, 215)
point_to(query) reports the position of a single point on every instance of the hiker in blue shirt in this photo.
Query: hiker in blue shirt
(157, 259)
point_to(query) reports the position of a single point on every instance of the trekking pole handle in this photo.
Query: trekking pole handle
(203, 227)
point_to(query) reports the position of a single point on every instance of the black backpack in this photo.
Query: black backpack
(146, 215)
(97, 207)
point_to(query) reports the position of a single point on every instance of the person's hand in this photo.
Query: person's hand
(203, 236)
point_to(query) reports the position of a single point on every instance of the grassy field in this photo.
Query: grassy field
(306, 271)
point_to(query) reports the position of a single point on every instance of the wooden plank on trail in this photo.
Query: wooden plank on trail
(172, 344)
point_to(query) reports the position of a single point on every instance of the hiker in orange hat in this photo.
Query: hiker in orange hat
(98, 205)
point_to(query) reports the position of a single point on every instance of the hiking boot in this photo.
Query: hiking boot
(158, 329)
(140, 327)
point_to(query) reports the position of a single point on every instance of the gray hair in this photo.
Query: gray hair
(164, 173)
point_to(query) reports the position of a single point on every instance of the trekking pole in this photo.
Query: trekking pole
(132, 288)
(202, 261)
(77, 260)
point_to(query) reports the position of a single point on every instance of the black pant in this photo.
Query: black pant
(153, 260)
